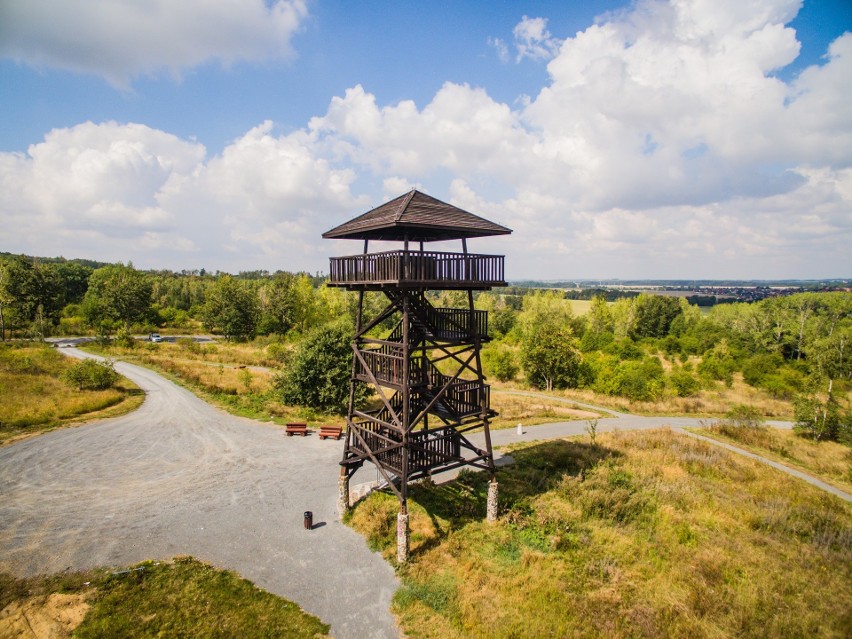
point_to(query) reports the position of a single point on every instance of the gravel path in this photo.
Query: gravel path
(179, 477)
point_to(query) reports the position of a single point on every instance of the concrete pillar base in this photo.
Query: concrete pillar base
(402, 538)
(342, 495)
(491, 510)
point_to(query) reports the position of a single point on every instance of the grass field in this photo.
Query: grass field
(647, 534)
(709, 402)
(34, 399)
(181, 598)
(826, 460)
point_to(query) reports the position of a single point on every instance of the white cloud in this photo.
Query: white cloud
(500, 47)
(122, 191)
(662, 132)
(533, 40)
(272, 197)
(122, 39)
(662, 145)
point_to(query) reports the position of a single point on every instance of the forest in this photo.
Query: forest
(644, 348)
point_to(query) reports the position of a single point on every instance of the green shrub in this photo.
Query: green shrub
(757, 368)
(278, 352)
(319, 374)
(683, 382)
(124, 338)
(91, 374)
(501, 362)
(641, 380)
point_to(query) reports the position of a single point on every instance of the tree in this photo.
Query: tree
(318, 375)
(819, 414)
(654, 315)
(550, 356)
(231, 308)
(600, 326)
(599, 316)
(545, 307)
(278, 304)
(30, 295)
(6, 297)
(500, 361)
(117, 293)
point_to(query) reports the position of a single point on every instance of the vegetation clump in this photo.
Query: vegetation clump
(90, 374)
(318, 374)
(648, 534)
(180, 598)
(35, 396)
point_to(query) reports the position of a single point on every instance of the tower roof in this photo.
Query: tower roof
(418, 217)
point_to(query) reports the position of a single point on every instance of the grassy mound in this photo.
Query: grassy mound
(34, 397)
(183, 598)
(647, 534)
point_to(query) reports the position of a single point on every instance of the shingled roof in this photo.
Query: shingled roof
(415, 216)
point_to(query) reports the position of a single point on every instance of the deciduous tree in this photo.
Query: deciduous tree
(231, 309)
(117, 293)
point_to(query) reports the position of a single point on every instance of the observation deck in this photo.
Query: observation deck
(417, 270)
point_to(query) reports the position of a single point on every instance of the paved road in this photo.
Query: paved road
(178, 477)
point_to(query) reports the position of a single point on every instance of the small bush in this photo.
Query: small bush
(684, 383)
(91, 374)
(124, 338)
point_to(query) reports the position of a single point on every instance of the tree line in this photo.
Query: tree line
(40, 298)
(642, 348)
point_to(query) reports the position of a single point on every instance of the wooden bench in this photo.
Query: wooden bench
(331, 431)
(297, 429)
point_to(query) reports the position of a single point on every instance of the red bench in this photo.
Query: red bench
(296, 429)
(331, 431)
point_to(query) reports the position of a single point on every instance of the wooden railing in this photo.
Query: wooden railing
(428, 449)
(447, 324)
(454, 323)
(386, 365)
(463, 397)
(416, 268)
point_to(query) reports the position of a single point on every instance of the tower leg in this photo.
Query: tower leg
(402, 537)
(491, 509)
(343, 493)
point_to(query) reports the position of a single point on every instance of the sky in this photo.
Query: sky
(677, 139)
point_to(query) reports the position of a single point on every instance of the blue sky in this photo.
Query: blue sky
(694, 139)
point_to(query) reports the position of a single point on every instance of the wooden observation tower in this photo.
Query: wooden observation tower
(426, 369)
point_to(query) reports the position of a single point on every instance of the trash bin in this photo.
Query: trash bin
(309, 520)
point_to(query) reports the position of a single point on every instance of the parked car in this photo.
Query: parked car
(155, 337)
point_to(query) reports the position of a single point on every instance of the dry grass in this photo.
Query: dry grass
(33, 398)
(514, 409)
(829, 461)
(580, 307)
(648, 534)
(231, 376)
(712, 402)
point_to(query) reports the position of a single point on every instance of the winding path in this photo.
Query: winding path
(178, 477)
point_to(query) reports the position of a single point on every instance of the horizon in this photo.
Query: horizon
(619, 136)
